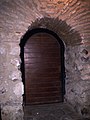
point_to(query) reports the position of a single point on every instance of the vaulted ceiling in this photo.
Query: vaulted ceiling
(17, 15)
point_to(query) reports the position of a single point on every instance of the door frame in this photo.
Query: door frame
(28, 34)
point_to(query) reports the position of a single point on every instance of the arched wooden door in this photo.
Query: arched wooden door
(42, 69)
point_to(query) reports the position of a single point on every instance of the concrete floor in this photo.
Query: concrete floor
(56, 111)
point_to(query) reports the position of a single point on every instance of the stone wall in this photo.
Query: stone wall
(70, 19)
(11, 86)
(78, 78)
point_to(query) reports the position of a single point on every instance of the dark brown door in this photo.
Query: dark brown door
(42, 69)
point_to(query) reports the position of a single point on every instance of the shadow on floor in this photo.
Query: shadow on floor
(56, 111)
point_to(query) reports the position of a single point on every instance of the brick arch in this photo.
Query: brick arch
(61, 28)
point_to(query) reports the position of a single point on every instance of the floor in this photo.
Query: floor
(56, 111)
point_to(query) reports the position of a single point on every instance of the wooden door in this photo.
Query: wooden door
(42, 69)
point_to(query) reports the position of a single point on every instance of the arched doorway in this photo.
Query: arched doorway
(43, 67)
